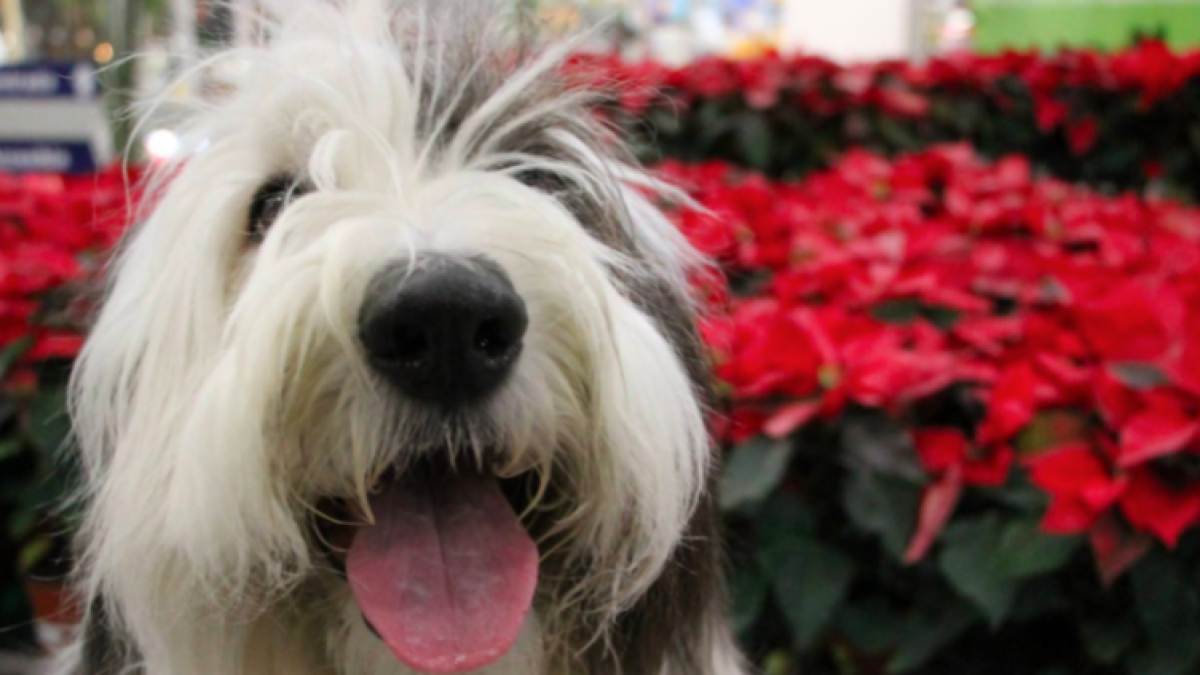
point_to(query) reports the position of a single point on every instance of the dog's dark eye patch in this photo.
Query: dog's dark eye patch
(270, 201)
(546, 181)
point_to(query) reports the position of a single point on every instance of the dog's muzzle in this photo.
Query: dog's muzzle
(440, 565)
(443, 330)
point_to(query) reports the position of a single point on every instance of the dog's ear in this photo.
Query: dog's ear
(176, 469)
(102, 650)
(680, 620)
(679, 626)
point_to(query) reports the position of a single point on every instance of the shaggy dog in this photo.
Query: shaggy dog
(400, 374)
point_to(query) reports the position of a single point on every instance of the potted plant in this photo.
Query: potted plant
(56, 229)
(33, 492)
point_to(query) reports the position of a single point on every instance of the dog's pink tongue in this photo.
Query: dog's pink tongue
(446, 574)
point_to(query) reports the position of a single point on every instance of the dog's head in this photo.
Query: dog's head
(408, 312)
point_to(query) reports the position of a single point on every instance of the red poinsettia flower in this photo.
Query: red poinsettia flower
(954, 462)
(942, 449)
(1010, 406)
(938, 502)
(34, 267)
(1151, 68)
(901, 101)
(1186, 370)
(1164, 509)
(1168, 424)
(1117, 547)
(1114, 400)
(1074, 316)
(1050, 113)
(1082, 135)
(739, 426)
(1133, 320)
(775, 351)
(1081, 484)
(714, 234)
(709, 78)
(55, 345)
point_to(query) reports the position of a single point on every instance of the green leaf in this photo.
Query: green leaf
(1050, 429)
(897, 134)
(879, 444)
(873, 626)
(33, 553)
(810, 580)
(8, 408)
(944, 318)
(49, 424)
(900, 311)
(777, 662)
(884, 506)
(1021, 494)
(755, 140)
(782, 515)
(1154, 660)
(749, 590)
(1025, 551)
(925, 635)
(1038, 597)
(12, 601)
(754, 469)
(46, 492)
(1139, 375)
(10, 449)
(11, 354)
(904, 311)
(713, 122)
(21, 523)
(1106, 639)
(971, 562)
(1169, 609)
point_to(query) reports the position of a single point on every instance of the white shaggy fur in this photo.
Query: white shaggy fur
(223, 390)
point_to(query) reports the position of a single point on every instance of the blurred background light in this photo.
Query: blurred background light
(163, 144)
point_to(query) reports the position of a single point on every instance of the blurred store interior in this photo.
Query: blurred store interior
(169, 35)
(862, 181)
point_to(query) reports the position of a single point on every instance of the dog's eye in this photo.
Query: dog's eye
(546, 181)
(270, 201)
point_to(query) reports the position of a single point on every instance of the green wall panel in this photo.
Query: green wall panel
(1107, 24)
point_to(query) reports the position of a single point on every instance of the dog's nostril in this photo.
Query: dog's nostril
(495, 341)
(411, 346)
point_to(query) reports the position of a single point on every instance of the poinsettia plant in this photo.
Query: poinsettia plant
(53, 230)
(960, 403)
(1122, 120)
(962, 409)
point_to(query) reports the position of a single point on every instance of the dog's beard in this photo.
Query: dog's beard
(441, 551)
(544, 442)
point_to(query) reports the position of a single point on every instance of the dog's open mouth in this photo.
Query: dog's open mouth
(444, 571)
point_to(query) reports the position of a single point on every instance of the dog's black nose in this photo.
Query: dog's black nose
(445, 331)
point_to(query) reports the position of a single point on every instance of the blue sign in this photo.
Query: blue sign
(47, 157)
(41, 81)
(52, 119)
